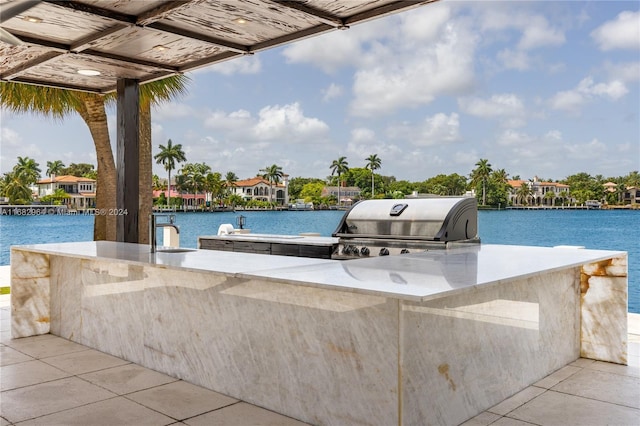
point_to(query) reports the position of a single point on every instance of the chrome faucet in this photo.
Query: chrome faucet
(154, 225)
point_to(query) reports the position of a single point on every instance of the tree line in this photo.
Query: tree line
(490, 185)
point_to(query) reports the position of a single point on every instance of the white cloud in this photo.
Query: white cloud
(435, 130)
(9, 137)
(514, 59)
(408, 78)
(332, 92)
(249, 64)
(626, 72)
(538, 33)
(586, 151)
(573, 100)
(507, 107)
(288, 124)
(621, 33)
(330, 52)
(513, 138)
(237, 120)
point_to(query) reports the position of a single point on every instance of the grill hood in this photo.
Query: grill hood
(430, 219)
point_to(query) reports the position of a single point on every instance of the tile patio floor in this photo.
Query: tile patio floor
(47, 380)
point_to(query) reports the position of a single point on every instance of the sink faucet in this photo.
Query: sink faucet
(154, 225)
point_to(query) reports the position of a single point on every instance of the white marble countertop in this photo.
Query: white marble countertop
(416, 276)
(273, 238)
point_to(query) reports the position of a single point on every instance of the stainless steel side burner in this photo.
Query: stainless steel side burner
(389, 227)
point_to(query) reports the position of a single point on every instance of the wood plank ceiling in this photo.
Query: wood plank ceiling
(48, 42)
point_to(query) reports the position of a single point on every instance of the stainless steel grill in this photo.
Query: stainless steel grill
(389, 227)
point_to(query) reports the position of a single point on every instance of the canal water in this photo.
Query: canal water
(594, 229)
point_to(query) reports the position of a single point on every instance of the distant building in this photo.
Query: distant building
(81, 190)
(348, 194)
(631, 195)
(539, 192)
(257, 188)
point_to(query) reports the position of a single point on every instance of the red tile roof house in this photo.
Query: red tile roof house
(82, 191)
(538, 192)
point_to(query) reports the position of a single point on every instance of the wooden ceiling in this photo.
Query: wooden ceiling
(151, 39)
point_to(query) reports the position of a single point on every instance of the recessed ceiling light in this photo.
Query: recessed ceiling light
(89, 72)
(240, 20)
(32, 19)
(160, 48)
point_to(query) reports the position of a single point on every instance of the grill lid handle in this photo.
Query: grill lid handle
(397, 209)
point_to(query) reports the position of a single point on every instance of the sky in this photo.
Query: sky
(546, 88)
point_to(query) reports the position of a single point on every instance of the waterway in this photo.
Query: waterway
(594, 229)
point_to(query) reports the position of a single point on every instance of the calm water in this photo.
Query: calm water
(605, 229)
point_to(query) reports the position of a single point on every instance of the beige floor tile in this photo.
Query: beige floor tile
(582, 362)
(603, 386)
(84, 361)
(181, 400)
(624, 370)
(48, 398)
(516, 400)
(10, 356)
(28, 373)
(507, 421)
(557, 376)
(45, 345)
(243, 414)
(4, 422)
(482, 419)
(115, 411)
(5, 336)
(554, 408)
(127, 378)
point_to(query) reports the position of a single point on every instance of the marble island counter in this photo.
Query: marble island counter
(424, 338)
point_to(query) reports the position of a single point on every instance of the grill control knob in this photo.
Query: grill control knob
(346, 250)
(355, 251)
(404, 251)
(384, 252)
(364, 251)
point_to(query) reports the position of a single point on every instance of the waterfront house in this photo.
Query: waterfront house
(81, 190)
(631, 195)
(539, 191)
(348, 194)
(257, 188)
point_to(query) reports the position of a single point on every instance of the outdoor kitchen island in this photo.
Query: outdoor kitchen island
(423, 338)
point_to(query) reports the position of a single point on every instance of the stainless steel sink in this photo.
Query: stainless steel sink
(175, 250)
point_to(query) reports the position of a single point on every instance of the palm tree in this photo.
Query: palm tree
(158, 185)
(168, 156)
(481, 174)
(54, 167)
(14, 186)
(273, 174)
(59, 103)
(550, 195)
(194, 174)
(214, 185)
(339, 167)
(231, 178)
(27, 169)
(524, 192)
(563, 195)
(373, 163)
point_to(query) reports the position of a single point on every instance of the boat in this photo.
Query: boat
(301, 205)
(593, 204)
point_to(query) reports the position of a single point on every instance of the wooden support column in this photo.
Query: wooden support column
(127, 158)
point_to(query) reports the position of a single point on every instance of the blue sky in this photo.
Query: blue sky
(538, 88)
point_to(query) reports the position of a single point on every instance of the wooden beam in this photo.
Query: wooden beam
(387, 9)
(15, 8)
(46, 83)
(128, 189)
(234, 47)
(320, 15)
(26, 66)
(87, 42)
(93, 10)
(160, 12)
